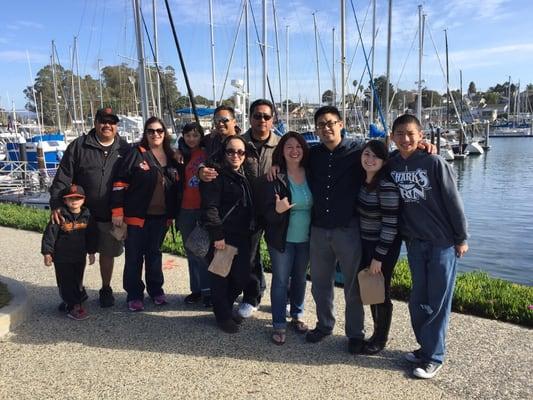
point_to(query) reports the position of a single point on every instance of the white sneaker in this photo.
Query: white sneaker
(427, 370)
(246, 310)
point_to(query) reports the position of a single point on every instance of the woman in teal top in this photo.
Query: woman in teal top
(285, 207)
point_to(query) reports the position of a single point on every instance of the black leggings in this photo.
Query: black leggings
(388, 263)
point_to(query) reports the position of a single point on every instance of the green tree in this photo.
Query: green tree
(380, 84)
(327, 97)
(472, 89)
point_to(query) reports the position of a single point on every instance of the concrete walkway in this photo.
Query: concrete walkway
(177, 351)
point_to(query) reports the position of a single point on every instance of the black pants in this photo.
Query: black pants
(69, 277)
(387, 265)
(224, 291)
(254, 289)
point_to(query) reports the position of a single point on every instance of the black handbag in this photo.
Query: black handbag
(198, 241)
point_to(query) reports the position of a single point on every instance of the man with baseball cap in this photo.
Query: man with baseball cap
(91, 162)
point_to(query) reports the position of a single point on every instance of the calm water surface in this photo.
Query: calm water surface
(497, 190)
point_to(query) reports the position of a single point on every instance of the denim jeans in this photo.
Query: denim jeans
(198, 275)
(292, 263)
(433, 270)
(144, 244)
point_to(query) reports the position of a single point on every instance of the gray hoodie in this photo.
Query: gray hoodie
(431, 207)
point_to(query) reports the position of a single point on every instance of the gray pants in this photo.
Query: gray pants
(329, 246)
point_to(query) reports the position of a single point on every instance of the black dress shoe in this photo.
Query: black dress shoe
(315, 336)
(355, 346)
(228, 326)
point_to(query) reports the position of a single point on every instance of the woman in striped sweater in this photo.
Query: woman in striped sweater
(378, 207)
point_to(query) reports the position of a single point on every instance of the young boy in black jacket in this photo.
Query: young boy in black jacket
(66, 246)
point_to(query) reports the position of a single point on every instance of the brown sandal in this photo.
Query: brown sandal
(278, 337)
(299, 326)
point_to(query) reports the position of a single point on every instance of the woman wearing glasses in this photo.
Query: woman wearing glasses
(227, 214)
(145, 198)
(285, 206)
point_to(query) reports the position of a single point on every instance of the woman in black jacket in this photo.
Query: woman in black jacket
(229, 194)
(285, 206)
(145, 197)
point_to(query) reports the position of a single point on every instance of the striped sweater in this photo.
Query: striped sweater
(378, 212)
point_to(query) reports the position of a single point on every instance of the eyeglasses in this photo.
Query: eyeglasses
(231, 152)
(151, 131)
(260, 116)
(108, 121)
(224, 120)
(329, 124)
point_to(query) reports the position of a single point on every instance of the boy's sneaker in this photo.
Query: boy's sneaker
(77, 313)
(106, 297)
(427, 370)
(193, 298)
(413, 357)
(160, 300)
(135, 305)
(246, 310)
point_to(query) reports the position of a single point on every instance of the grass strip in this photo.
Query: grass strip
(476, 293)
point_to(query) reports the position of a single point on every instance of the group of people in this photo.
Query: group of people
(339, 203)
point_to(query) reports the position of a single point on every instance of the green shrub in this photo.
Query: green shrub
(475, 293)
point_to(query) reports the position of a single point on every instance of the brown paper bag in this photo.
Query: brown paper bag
(222, 260)
(371, 287)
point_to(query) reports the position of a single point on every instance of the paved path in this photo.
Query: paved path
(177, 351)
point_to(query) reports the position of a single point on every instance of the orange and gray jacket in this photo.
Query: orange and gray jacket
(134, 186)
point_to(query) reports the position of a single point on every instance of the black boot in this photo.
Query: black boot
(374, 312)
(382, 323)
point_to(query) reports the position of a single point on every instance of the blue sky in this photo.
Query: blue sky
(488, 40)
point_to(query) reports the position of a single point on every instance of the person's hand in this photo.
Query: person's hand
(207, 174)
(375, 267)
(92, 259)
(430, 148)
(117, 220)
(461, 249)
(56, 217)
(272, 173)
(178, 156)
(219, 244)
(48, 260)
(282, 205)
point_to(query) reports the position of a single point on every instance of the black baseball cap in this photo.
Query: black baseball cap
(73, 191)
(106, 114)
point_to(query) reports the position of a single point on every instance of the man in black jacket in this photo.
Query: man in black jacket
(91, 162)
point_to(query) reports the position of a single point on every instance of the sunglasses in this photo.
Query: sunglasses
(151, 131)
(260, 116)
(108, 121)
(329, 124)
(231, 152)
(224, 120)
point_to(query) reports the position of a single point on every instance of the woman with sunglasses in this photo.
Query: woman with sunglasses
(228, 216)
(145, 198)
(378, 207)
(285, 206)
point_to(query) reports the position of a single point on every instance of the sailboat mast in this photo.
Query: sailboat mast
(73, 93)
(213, 75)
(54, 80)
(264, 49)
(100, 83)
(287, 76)
(275, 17)
(343, 61)
(317, 61)
(447, 81)
(371, 111)
(79, 83)
(156, 59)
(420, 52)
(387, 83)
(246, 97)
(140, 55)
(334, 99)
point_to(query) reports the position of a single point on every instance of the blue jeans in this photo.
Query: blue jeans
(198, 275)
(433, 270)
(144, 244)
(292, 263)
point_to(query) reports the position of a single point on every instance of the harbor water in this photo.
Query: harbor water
(497, 190)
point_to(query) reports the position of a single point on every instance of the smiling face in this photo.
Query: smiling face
(328, 129)
(371, 162)
(293, 152)
(155, 133)
(224, 123)
(406, 137)
(74, 203)
(261, 120)
(235, 153)
(106, 129)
